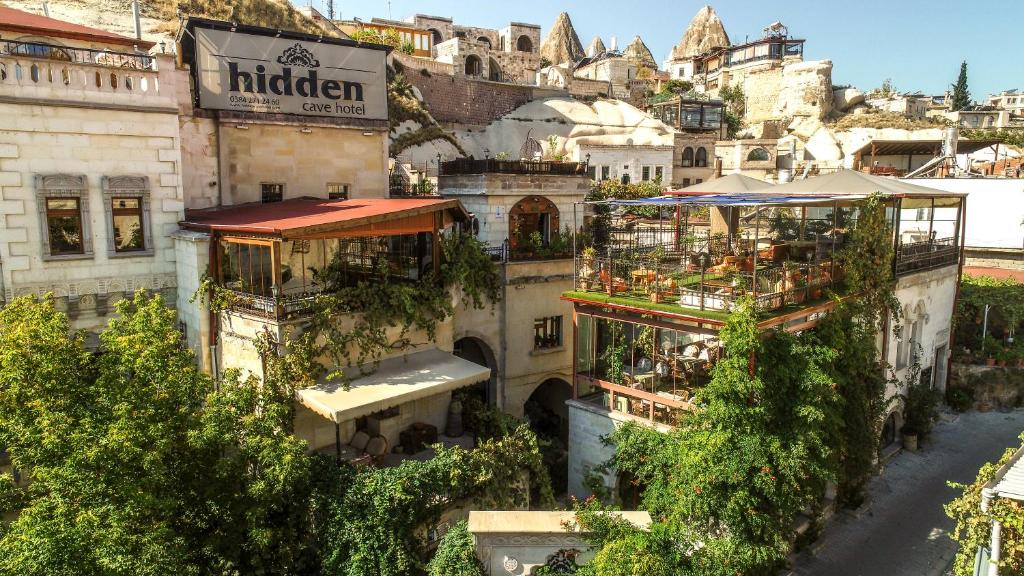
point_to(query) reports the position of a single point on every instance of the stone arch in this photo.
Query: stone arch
(474, 66)
(493, 70)
(485, 41)
(477, 351)
(687, 159)
(524, 44)
(700, 159)
(529, 215)
(759, 154)
(436, 35)
(889, 431)
(548, 416)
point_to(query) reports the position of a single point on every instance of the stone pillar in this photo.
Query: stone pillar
(725, 220)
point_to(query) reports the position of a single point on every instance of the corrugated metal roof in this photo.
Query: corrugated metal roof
(29, 23)
(1011, 484)
(298, 216)
(737, 199)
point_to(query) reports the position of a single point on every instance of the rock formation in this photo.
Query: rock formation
(806, 90)
(845, 99)
(561, 44)
(638, 53)
(596, 46)
(704, 33)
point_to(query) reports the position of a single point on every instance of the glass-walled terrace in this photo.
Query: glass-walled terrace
(279, 278)
(670, 255)
(652, 371)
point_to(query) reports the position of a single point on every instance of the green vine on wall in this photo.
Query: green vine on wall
(974, 527)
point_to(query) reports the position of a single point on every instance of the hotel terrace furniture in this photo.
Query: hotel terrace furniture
(647, 355)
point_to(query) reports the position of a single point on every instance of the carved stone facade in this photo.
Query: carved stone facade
(511, 54)
(115, 133)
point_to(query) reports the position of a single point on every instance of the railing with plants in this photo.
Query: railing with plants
(136, 61)
(494, 165)
(916, 256)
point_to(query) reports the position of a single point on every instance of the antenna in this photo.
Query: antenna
(389, 10)
(330, 10)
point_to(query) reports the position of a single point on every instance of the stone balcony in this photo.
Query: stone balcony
(40, 73)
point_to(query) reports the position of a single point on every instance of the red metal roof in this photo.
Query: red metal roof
(303, 216)
(1002, 273)
(29, 23)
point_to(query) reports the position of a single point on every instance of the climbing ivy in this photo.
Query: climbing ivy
(974, 526)
(456, 555)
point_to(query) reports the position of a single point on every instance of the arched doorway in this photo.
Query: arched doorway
(524, 44)
(474, 67)
(493, 70)
(484, 40)
(888, 431)
(630, 491)
(436, 35)
(478, 352)
(548, 416)
(530, 217)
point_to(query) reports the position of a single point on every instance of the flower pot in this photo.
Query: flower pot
(910, 442)
(990, 361)
(1020, 362)
(656, 297)
(1001, 362)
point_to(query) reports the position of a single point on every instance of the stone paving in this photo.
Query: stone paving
(902, 530)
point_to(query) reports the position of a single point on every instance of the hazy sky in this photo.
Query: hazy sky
(917, 43)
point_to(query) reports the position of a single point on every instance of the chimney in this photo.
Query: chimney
(138, 22)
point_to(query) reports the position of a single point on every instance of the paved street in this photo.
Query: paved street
(904, 532)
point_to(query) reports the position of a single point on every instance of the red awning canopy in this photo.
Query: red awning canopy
(36, 24)
(309, 218)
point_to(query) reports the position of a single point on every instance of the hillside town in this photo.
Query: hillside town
(283, 292)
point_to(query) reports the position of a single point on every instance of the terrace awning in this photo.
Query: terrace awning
(396, 381)
(737, 199)
(731, 184)
(920, 147)
(314, 218)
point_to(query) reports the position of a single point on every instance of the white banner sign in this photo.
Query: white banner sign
(254, 73)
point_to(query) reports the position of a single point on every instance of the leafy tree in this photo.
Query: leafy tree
(456, 555)
(137, 465)
(759, 451)
(961, 96)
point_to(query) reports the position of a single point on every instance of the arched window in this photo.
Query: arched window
(524, 44)
(493, 70)
(701, 160)
(473, 65)
(758, 155)
(485, 41)
(687, 157)
(533, 219)
(436, 35)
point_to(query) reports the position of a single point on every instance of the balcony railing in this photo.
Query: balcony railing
(284, 307)
(495, 166)
(78, 55)
(403, 190)
(926, 254)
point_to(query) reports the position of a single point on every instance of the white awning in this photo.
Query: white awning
(396, 381)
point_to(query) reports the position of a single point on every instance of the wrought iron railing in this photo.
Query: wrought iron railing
(403, 190)
(284, 307)
(78, 55)
(493, 165)
(926, 254)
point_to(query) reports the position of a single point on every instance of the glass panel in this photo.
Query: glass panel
(64, 223)
(128, 233)
(247, 268)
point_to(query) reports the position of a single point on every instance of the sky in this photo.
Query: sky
(919, 44)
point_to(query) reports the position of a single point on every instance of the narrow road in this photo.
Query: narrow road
(905, 531)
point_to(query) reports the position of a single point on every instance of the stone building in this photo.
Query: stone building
(90, 167)
(644, 360)
(914, 106)
(698, 124)
(420, 40)
(511, 54)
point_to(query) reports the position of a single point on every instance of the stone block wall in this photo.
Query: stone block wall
(43, 137)
(462, 100)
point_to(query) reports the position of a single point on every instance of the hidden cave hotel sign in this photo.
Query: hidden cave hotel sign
(245, 72)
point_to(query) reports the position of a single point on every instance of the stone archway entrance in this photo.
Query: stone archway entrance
(888, 431)
(493, 70)
(474, 67)
(548, 416)
(478, 352)
(531, 217)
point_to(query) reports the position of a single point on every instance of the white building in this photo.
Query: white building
(90, 166)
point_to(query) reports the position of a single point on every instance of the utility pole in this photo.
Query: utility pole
(330, 10)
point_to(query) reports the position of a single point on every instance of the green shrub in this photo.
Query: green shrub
(960, 399)
(456, 555)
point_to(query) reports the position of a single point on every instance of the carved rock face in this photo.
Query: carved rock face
(596, 46)
(562, 44)
(705, 33)
(638, 53)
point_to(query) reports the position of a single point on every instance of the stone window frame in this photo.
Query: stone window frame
(64, 186)
(128, 186)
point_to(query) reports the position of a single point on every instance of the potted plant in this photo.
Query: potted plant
(654, 291)
(920, 406)
(910, 438)
(1002, 356)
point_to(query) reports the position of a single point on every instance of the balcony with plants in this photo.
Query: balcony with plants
(665, 256)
